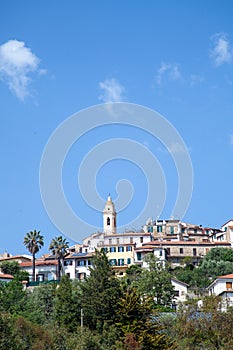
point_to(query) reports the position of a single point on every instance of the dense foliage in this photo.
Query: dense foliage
(13, 268)
(119, 314)
(217, 262)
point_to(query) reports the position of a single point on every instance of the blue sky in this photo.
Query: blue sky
(58, 58)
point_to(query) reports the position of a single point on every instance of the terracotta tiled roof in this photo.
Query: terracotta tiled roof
(15, 257)
(227, 276)
(40, 263)
(6, 276)
(161, 243)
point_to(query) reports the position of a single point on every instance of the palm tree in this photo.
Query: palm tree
(33, 242)
(59, 246)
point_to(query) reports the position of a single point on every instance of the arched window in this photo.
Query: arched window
(108, 221)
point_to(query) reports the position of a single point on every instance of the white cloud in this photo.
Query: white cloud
(112, 91)
(168, 69)
(17, 63)
(221, 51)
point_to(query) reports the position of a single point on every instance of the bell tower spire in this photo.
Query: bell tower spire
(109, 217)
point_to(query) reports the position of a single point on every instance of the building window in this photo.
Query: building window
(160, 252)
(168, 251)
(228, 285)
(195, 231)
(176, 293)
(120, 249)
(159, 228)
(150, 229)
(40, 277)
(89, 263)
(118, 240)
(68, 274)
(81, 276)
(182, 230)
(172, 230)
(110, 241)
(112, 262)
(108, 221)
(81, 262)
(131, 239)
(141, 239)
(112, 249)
(129, 248)
(181, 251)
(139, 256)
(121, 262)
(68, 262)
(105, 250)
(194, 251)
(128, 261)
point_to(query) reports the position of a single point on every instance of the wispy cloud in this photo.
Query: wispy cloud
(196, 79)
(112, 91)
(170, 70)
(221, 51)
(17, 63)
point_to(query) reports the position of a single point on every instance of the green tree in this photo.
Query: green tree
(31, 336)
(195, 277)
(132, 274)
(40, 303)
(66, 307)
(215, 268)
(13, 268)
(218, 254)
(59, 246)
(135, 319)
(33, 242)
(208, 328)
(156, 281)
(10, 267)
(7, 339)
(217, 262)
(12, 297)
(100, 293)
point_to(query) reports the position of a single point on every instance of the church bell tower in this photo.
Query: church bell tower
(109, 217)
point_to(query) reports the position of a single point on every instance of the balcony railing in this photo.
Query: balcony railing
(37, 283)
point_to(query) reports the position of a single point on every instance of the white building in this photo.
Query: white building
(45, 269)
(76, 265)
(181, 291)
(141, 251)
(226, 233)
(223, 287)
(119, 247)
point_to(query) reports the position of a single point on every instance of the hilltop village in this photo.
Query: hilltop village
(170, 241)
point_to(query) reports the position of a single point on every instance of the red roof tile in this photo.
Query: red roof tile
(227, 276)
(6, 276)
(40, 263)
